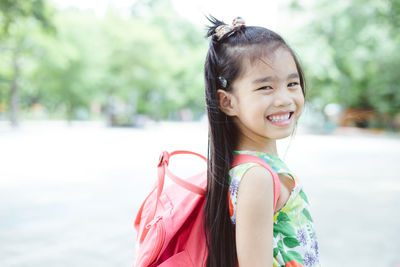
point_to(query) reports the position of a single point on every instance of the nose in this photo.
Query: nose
(282, 97)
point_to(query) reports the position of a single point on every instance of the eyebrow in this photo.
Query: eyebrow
(272, 78)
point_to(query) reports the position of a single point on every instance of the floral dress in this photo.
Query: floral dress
(294, 239)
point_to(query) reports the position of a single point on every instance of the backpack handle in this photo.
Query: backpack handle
(162, 168)
(245, 158)
(164, 160)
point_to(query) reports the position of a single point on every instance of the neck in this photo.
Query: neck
(266, 146)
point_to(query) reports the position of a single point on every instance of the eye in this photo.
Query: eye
(265, 88)
(293, 84)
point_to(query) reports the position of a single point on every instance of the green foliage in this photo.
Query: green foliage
(350, 50)
(19, 20)
(158, 57)
(12, 11)
(148, 63)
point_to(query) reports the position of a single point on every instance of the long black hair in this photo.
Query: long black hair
(224, 59)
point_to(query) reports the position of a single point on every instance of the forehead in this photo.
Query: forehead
(279, 63)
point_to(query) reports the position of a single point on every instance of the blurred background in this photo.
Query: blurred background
(92, 91)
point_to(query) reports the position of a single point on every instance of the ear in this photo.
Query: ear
(227, 102)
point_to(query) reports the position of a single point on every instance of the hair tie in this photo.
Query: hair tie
(226, 30)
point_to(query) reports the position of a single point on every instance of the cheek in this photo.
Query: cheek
(252, 113)
(300, 101)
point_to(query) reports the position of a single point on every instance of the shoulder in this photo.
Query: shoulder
(256, 187)
(236, 173)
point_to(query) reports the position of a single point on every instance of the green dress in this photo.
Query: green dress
(294, 239)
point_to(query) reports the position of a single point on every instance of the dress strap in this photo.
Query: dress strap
(246, 158)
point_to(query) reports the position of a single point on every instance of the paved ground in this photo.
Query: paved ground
(68, 195)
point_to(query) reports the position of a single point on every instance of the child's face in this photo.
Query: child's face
(268, 86)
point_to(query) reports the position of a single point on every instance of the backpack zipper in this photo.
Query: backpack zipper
(160, 240)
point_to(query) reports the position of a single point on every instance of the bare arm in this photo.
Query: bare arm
(254, 218)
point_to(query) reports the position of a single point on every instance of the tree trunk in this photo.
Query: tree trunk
(110, 108)
(15, 90)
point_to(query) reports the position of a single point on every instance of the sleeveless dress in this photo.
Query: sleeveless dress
(294, 239)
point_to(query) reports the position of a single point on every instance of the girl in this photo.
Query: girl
(254, 95)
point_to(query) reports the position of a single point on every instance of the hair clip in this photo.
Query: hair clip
(223, 81)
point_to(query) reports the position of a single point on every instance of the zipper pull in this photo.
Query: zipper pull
(155, 220)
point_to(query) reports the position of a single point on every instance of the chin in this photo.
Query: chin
(281, 135)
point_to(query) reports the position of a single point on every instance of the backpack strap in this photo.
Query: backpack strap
(246, 158)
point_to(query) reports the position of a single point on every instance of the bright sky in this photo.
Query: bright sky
(265, 13)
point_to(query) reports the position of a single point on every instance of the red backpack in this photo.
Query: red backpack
(169, 223)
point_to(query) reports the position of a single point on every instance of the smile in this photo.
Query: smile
(281, 120)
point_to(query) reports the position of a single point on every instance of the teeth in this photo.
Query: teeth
(279, 118)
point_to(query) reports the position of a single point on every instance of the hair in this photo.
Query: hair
(224, 59)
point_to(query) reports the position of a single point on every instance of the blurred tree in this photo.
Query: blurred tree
(148, 63)
(17, 19)
(64, 75)
(351, 54)
(157, 60)
(12, 11)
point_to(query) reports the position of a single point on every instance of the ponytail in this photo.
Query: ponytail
(221, 143)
